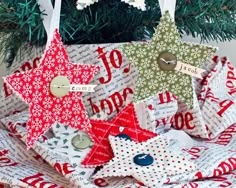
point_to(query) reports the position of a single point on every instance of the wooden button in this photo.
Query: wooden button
(81, 141)
(143, 159)
(167, 61)
(60, 86)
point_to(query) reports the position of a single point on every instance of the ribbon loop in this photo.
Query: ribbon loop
(168, 5)
(51, 19)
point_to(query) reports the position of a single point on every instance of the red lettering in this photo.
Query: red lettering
(199, 175)
(116, 100)
(232, 91)
(113, 60)
(5, 161)
(64, 169)
(226, 184)
(190, 185)
(3, 152)
(26, 66)
(100, 182)
(116, 103)
(230, 75)
(183, 120)
(95, 108)
(114, 55)
(7, 90)
(230, 66)
(215, 59)
(163, 122)
(179, 121)
(108, 70)
(195, 152)
(166, 97)
(109, 104)
(224, 105)
(225, 137)
(36, 62)
(225, 167)
(230, 84)
(126, 92)
(211, 96)
(37, 181)
(188, 120)
(222, 179)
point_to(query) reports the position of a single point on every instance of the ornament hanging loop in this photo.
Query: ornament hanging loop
(51, 20)
(168, 5)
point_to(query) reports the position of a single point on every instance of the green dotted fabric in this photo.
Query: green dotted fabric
(151, 79)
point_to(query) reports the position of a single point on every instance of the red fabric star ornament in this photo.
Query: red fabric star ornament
(44, 108)
(125, 124)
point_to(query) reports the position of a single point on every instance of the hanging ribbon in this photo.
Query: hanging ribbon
(51, 20)
(168, 5)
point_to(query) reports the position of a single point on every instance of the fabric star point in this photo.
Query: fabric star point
(44, 108)
(152, 79)
(125, 124)
(150, 162)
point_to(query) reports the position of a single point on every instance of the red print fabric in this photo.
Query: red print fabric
(124, 123)
(44, 108)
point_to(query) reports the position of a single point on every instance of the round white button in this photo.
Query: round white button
(60, 86)
(81, 141)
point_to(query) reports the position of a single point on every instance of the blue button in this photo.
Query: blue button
(143, 159)
(125, 136)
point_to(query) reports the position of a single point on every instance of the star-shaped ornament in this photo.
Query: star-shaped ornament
(149, 162)
(158, 60)
(125, 124)
(140, 4)
(47, 91)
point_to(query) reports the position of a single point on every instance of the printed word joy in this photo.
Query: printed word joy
(115, 60)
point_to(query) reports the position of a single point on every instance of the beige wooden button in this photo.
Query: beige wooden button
(167, 61)
(81, 141)
(60, 86)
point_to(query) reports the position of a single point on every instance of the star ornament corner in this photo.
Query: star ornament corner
(149, 162)
(166, 44)
(125, 124)
(45, 108)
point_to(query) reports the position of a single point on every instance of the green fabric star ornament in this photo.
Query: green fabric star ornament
(155, 62)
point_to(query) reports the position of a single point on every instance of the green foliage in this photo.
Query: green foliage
(113, 21)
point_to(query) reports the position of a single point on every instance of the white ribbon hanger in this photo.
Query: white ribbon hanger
(51, 20)
(168, 5)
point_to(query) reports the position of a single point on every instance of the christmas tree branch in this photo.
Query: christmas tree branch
(115, 21)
